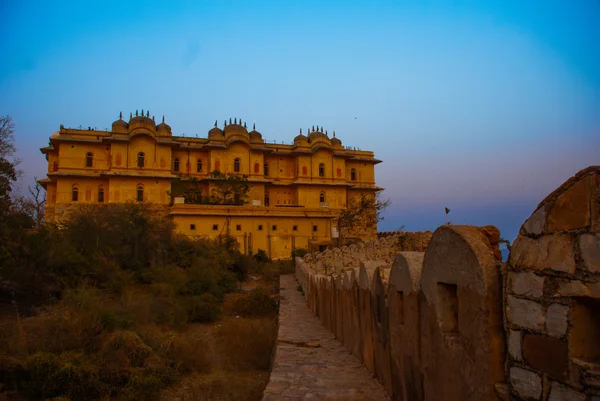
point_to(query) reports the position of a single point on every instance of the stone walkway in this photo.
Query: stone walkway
(310, 364)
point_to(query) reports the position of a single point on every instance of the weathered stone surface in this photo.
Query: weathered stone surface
(535, 223)
(556, 320)
(525, 383)
(524, 313)
(462, 341)
(548, 252)
(576, 288)
(596, 208)
(546, 354)
(404, 325)
(514, 345)
(560, 392)
(526, 284)
(301, 371)
(590, 251)
(571, 210)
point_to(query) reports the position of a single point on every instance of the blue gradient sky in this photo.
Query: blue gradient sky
(483, 107)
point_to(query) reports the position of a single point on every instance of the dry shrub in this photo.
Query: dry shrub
(255, 303)
(203, 308)
(125, 349)
(227, 386)
(248, 344)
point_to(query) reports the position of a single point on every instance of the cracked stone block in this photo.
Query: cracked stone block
(535, 223)
(553, 251)
(546, 354)
(576, 288)
(525, 383)
(572, 209)
(560, 392)
(590, 251)
(514, 345)
(524, 313)
(526, 284)
(556, 320)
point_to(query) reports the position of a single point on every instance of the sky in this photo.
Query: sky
(483, 107)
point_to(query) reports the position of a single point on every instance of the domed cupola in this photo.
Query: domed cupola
(336, 141)
(235, 128)
(163, 128)
(315, 134)
(141, 121)
(120, 126)
(255, 136)
(215, 132)
(299, 139)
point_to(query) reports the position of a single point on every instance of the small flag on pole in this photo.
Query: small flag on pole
(447, 210)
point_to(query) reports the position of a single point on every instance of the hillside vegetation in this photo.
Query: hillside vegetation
(114, 305)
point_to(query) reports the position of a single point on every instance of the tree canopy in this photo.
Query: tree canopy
(226, 189)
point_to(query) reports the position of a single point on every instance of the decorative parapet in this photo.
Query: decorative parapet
(454, 323)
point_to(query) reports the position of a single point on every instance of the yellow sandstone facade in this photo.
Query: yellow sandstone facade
(296, 190)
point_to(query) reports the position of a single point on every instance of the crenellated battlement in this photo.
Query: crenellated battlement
(452, 322)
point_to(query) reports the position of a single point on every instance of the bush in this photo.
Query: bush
(203, 308)
(261, 256)
(255, 303)
(250, 342)
(299, 252)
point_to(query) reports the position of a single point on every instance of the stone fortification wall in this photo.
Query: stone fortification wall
(454, 323)
(553, 296)
(337, 260)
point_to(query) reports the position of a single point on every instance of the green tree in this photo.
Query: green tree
(228, 189)
(364, 212)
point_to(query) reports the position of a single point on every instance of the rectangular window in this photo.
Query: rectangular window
(315, 228)
(295, 228)
(192, 227)
(215, 227)
(238, 227)
(274, 227)
(260, 227)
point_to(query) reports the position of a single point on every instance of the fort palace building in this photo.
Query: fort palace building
(296, 191)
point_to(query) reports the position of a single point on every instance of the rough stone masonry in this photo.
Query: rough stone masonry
(454, 323)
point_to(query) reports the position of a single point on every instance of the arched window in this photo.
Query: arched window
(236, 165)
(266, 169)
(256, 168)
(176, 164)
(140, 193)
(140, 159)
(89, 159)
(75, 193)
(199, 166)
(322, 197)
(266, 199)
(321, 170)
(353, 174)
(100, 194)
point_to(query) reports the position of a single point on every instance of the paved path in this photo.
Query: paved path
(310, 364)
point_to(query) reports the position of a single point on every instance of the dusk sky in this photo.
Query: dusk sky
(482, 107)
